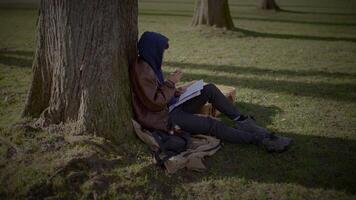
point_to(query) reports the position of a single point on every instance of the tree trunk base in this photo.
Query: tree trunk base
(269, 5)
(81, 66)
(213, 13)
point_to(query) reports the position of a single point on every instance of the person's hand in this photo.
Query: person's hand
(176, 76)
(180, 91)
(183, 88)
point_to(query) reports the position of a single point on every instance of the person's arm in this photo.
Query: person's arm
(155, 97)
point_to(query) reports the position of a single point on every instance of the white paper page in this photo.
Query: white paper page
(192, 91)
(197, 86)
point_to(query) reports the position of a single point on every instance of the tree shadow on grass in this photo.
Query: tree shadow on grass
(11, 58)
(263, 114)
(335, 91)
(180, 13)
(261, 71)
(250, 33)
(16, 52)
(313, 162)
(294, 21)
(317, 13)
(193, 3)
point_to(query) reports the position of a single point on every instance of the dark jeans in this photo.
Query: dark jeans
(185, 117)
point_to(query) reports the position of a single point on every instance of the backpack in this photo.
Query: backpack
(169, 145)
(174, 152)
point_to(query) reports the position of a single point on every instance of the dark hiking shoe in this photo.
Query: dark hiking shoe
(249, 125)
(276, 143)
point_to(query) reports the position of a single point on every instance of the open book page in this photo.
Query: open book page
(185, 84)
(192, 91)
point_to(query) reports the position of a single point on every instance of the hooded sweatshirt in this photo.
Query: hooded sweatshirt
(150, 48)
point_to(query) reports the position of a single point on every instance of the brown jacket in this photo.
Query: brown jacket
(150, 99)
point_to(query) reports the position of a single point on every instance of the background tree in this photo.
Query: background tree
(80, 68)
(213, 13)
(269, 5)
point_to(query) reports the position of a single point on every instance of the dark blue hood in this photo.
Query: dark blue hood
(150, 48)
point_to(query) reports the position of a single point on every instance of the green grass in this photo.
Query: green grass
(295, 71)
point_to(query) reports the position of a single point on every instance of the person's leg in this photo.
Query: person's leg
(210, 93)
(196, 124)
(246, 131)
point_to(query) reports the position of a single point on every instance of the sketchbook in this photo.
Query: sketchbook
(192, 91)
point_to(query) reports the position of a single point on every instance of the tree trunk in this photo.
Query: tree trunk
(269, 5)
(80, 69)
(213, 13)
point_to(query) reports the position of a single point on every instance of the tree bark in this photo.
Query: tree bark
(80, 69)
(269, 5)
(213, 13)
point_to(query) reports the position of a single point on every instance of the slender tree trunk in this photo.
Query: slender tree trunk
(269, 5)
(213, 13)
(80, 69)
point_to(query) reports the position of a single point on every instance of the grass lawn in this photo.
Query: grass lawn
(295, 71)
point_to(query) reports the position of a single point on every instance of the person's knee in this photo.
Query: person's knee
(210, 88)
